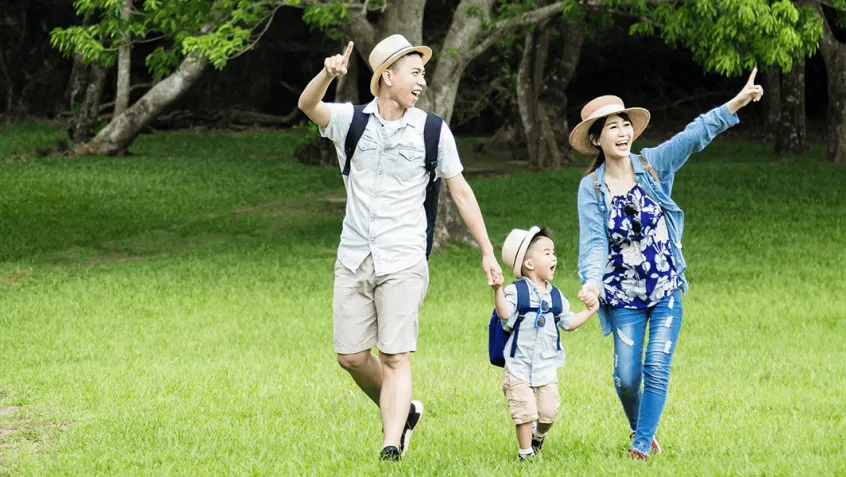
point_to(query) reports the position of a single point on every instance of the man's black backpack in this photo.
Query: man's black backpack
(431, 137)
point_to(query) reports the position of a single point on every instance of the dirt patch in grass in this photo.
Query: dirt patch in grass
(14, 278)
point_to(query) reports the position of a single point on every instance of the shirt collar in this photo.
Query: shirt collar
(534, 286)
(637, 167)
(373, 108)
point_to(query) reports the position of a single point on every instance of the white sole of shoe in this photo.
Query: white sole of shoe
(418, 406)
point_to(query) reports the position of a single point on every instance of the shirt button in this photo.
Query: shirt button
(375, 196)
(373, 219)
(373, 241)
(380, 173)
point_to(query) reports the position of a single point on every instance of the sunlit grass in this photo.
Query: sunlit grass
(169, 313)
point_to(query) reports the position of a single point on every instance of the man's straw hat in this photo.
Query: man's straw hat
(387, 52)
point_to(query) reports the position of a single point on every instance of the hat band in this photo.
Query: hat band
(517, 254)
(392, 54)
(606, 110)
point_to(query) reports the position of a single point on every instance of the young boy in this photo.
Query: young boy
(530, 382)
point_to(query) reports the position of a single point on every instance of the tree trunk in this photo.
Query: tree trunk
(530, 82)
(562, 71)
(792, 134)
(116, 137)
(124, 66)
(772, 100)
(507, 140)
(347, 87)
(82, 125)
(10, 84)
(76, 82)
(834, 56)
(836, 115)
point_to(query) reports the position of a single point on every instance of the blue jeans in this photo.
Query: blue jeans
(644, 407)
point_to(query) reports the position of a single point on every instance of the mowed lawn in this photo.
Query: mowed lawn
(169, 313)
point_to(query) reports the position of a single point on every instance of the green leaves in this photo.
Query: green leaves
(216, 30)
(84, 41)
(227, 41)
(732, 36)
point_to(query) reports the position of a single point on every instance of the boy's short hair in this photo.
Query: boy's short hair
(544, 232)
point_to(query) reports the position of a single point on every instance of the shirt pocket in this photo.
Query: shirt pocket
(364, 153)
(411, 163)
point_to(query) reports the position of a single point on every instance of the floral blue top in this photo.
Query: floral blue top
(640, 271)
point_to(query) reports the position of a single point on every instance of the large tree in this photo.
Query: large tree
(192, 35)
(834, 55)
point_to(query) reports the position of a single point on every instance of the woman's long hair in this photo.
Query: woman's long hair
(595, 131)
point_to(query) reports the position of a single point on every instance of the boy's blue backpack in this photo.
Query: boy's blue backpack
(498, 337)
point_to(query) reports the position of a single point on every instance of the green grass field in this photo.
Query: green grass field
(169, 313)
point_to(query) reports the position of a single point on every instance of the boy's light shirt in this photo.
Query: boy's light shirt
(537, 357)
(386, 187)
(666, 158)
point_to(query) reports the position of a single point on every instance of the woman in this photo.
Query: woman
(630, 257)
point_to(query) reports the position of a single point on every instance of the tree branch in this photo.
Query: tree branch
(538, 16)
(499, 30)
(269, 17)
(105, 106)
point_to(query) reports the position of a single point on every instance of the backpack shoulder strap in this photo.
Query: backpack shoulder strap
(649, 168)
(357, 127)
(557, 308)
(557, 304)
(523, 302)
(431, 138)
(523, 299)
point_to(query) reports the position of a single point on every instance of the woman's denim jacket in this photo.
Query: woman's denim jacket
(666, 159)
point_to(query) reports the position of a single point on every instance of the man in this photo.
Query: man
(382, 274)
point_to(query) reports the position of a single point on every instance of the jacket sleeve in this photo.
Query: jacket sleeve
(670, 155)
(593, 238)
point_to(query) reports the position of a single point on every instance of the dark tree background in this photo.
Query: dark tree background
(260, 88)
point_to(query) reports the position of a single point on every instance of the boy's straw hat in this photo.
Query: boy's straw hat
(388, 51)
(599, 108)
(514, 249)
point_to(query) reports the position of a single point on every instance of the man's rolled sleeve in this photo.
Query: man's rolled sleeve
(511, 298)
(339, 122)
(449, 164)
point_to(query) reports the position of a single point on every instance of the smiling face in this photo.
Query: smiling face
(540, 261)
(404, 80)
(614, 137)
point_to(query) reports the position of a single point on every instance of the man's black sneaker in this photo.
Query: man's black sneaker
(390, 454)
(415, 412)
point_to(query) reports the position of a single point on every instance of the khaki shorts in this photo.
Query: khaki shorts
(529, 404)
(378, 311)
